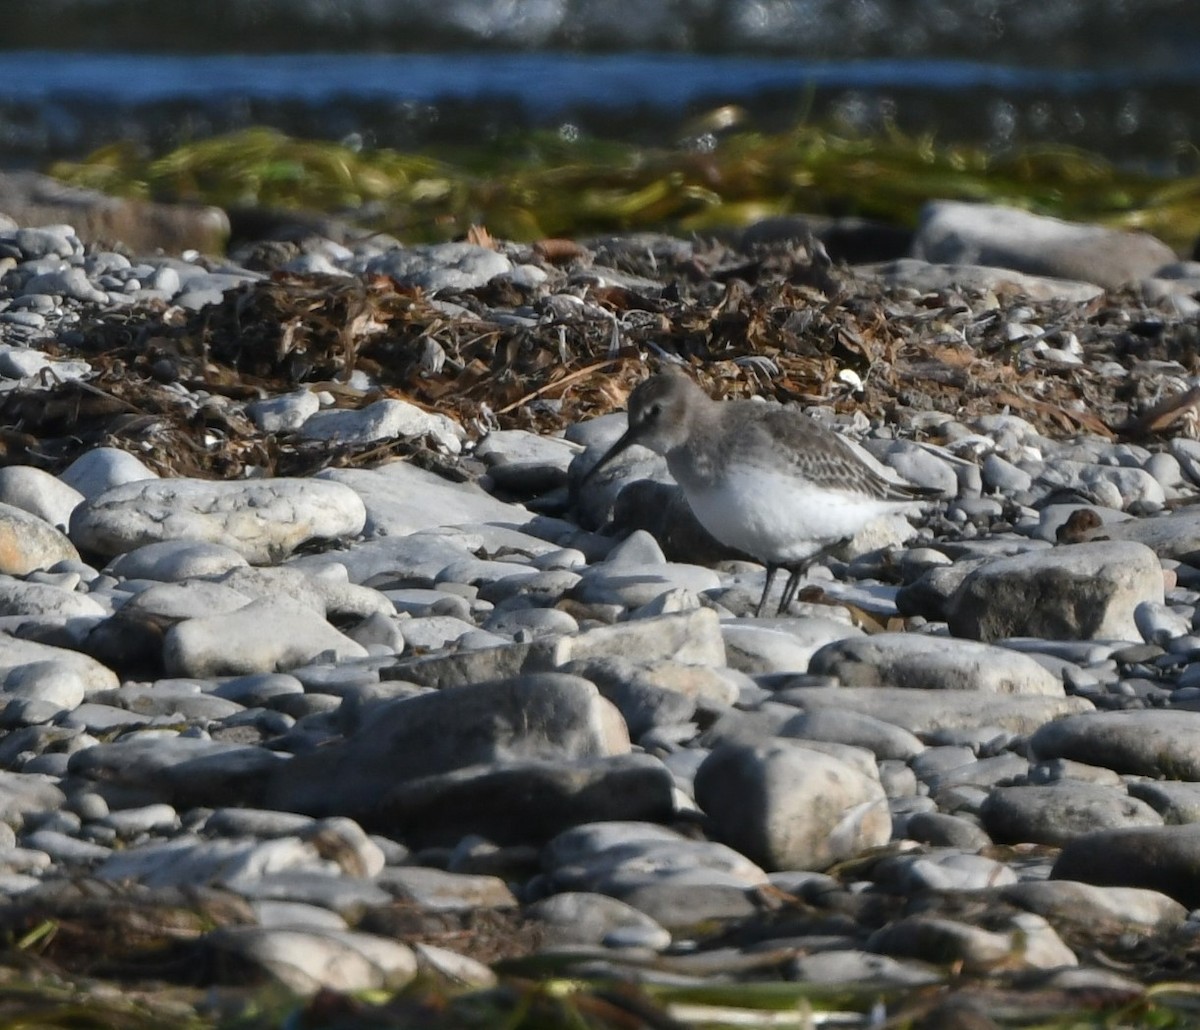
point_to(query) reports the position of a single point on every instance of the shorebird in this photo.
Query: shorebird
(763, 479)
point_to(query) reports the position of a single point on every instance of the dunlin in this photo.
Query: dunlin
(763, 479)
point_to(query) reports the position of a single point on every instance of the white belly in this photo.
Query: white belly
(778, 518)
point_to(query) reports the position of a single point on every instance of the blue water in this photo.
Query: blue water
(547, 83)
(57, 104)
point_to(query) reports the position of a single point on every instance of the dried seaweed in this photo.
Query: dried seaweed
(172, 388)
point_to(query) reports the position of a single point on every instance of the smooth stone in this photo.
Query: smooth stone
(275, 583)
(15, 652)
(1157, 858)
(1108, 485)
(1126, 909)
(908, 659)
(102, 719)
(622, 857)
(263, 636)
(39, 493)
(1003, 768)
(925, 711)
(101, 469)
(306, 961)
(642, 702)
(692, 638)
(690, 905)
(549, 716)
(46, 241)
(525, 802)
(538, 623)
(347, 896)
(23, 795)
(632, 584)
(1003, 476)
(132, 822)
(1055, 770)
(946, 871)
(1177, 803)
(442, 964)
(379, 633)
(478, 572)
(467, 668)
(258, 689)
(188, 860)
(20, 860)
(51, 683)
(420, 603)
(945, 831)
(21, 597)
(69, 282)
(1171, 535)
(884, 740)
(433, 267)
(174, 560)
(180, 771)
(186, 703)
(264, 520)
(1031, 943)
(434, 632)
(440, 891)
(257, 822)
(933, 277)
(1075, 591)
(1159, 624)
(386, 419)
(993, 234)
(283, 414)
(521, 447)
(411, 560)
(193, 599)
(296, 915)
(786, 806)
(580, 917)
(402, 499)
(66, 849)
(856, 967)
(780, 645)
(1056, 814)
(1160, 744)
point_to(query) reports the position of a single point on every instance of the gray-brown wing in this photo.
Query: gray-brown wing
(818, 454)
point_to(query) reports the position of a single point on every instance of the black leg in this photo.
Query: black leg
(793, 583)
(762, 601)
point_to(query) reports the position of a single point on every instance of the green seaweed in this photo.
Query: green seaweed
(542, 184)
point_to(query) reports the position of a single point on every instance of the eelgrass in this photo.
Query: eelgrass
(542, 185)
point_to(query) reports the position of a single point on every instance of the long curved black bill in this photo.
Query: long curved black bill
(577, 486)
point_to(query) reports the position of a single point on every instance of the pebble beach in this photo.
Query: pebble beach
(319, 670)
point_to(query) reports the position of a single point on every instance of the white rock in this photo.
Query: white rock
(39, 493)
(264, 636)
(96, 471)
(264, 520)
(28, 542)
(387, 419)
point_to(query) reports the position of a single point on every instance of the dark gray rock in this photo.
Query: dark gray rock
(1157, 858)
(1161, 744)
(1056, 814)
(548, 716)
(524, 802)
(1075, 591)
(913, 660)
